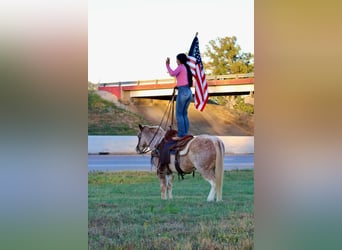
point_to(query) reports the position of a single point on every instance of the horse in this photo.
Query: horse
(204, 153)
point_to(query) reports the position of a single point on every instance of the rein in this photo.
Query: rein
(169, 110)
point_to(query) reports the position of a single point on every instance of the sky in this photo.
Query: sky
(130, 40)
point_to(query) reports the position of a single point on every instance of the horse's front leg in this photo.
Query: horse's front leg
(169, 179)
(163, 187)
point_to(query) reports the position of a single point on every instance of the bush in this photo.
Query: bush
(244, 107)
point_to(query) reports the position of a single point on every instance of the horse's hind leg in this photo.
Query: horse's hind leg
(169, 179)
(212, 192)
(209, 176)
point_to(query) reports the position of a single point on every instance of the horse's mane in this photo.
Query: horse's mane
(154, 126)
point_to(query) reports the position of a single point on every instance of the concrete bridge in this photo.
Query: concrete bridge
(236, 84)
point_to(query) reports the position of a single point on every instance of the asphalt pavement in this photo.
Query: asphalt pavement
(142, 162)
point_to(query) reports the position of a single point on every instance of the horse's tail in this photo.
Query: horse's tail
(219, 168)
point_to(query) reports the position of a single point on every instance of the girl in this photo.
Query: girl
(184, 82)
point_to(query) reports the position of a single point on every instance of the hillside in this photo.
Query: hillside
(118, 119)
(215, 120)
(107, 118)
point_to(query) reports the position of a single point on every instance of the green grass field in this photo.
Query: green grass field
(126, 212)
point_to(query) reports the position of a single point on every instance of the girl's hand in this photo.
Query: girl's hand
(168, 60)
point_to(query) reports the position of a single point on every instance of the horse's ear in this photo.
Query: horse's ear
(140, 127)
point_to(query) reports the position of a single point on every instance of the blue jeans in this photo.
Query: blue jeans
(182, 104)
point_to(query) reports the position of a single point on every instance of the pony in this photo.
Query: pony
(204, 153)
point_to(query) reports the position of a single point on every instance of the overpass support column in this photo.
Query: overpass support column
(125, 97)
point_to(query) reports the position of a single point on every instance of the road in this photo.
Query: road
(142, 162)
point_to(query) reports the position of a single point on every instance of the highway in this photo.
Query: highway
(142, 162)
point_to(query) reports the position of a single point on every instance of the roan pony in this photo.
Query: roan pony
(204, 153)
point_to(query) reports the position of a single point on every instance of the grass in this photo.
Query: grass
(105, 118)
(126, 212)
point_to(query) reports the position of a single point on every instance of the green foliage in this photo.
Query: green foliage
(244, 107)
(220, 100)
(225, 57)
(91, 86)
(125, 212)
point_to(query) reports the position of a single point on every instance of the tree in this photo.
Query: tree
(225, 57)
(91, 86)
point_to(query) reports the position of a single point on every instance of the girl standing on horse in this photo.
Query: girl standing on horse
(184, 82)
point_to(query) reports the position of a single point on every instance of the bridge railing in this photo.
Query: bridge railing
(231, 76)
(156, 81)
(173, 80)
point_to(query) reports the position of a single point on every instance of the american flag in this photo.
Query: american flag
(201, 86)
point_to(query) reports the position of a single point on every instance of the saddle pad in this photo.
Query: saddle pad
(186, 149)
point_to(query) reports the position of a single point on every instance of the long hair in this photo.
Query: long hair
(183, 60)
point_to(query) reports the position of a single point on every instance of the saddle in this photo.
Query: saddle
(170, 145)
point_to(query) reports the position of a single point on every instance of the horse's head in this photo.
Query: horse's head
(148, 138)
(142, 141)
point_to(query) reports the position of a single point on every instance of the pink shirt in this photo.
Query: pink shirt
(181, 74)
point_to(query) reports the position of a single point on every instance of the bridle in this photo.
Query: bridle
(147, 148)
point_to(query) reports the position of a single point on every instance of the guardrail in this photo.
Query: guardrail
(173, 80)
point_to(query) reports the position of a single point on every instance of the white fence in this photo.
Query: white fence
(126, 144)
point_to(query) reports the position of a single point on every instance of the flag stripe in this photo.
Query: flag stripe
(196, 66)
(201, 87)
